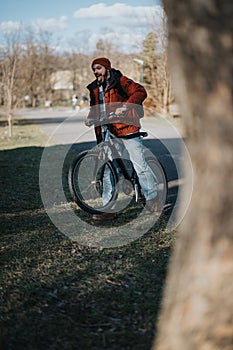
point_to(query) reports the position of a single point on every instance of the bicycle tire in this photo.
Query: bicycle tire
(160, 178)
(84, 183)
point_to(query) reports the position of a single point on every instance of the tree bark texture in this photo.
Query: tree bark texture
(197, 308)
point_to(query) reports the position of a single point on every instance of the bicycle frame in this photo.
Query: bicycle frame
(106, 145)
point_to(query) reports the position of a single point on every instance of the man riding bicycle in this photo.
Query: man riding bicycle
(113, 92)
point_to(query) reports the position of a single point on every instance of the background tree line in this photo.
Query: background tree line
(33, 72)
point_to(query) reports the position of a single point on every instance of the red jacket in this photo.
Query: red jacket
(135, 94)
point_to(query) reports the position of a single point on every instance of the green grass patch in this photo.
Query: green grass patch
(56, 293)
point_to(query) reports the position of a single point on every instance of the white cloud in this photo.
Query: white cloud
(125, 42)
(51, 24)
(102, 10)
(122, 14)
(122, 25)
(10, 27)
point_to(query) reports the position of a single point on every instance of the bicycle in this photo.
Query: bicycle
(85, 177)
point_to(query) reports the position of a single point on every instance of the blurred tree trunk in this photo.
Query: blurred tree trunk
(198, 303)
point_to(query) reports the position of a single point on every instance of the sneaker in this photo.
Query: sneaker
(104, 217)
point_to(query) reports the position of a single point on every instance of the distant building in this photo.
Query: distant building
(62, 84)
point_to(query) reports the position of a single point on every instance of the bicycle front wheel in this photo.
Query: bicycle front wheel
(86, 182)
(160, 179)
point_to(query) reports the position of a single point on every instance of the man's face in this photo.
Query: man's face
(100, 72)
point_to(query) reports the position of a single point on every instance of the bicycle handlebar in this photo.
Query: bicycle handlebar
(110, 118)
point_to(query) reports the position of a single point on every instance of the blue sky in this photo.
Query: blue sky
(79, 24)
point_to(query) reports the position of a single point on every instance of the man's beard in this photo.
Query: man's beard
(102, 77)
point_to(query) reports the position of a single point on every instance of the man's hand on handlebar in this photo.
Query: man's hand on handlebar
(89, 122)
(113, 116)
(121, 111)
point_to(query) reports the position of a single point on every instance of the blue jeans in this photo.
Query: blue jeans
(132, 149)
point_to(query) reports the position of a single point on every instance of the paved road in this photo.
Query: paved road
(67, 127)
(164, 140)
(70, 124)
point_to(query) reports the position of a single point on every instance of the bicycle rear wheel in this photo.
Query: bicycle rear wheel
(85, 182)
(160, 178)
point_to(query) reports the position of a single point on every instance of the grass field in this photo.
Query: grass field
(57, 294)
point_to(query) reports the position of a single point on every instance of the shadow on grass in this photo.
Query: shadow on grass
(57, 294)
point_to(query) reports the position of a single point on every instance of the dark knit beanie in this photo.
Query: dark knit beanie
(103, 61)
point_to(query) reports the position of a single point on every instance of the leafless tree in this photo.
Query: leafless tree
(30, 67)
(198, 305)
(10, 56)
(156, 73)
(47, 64)
(78, 64)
